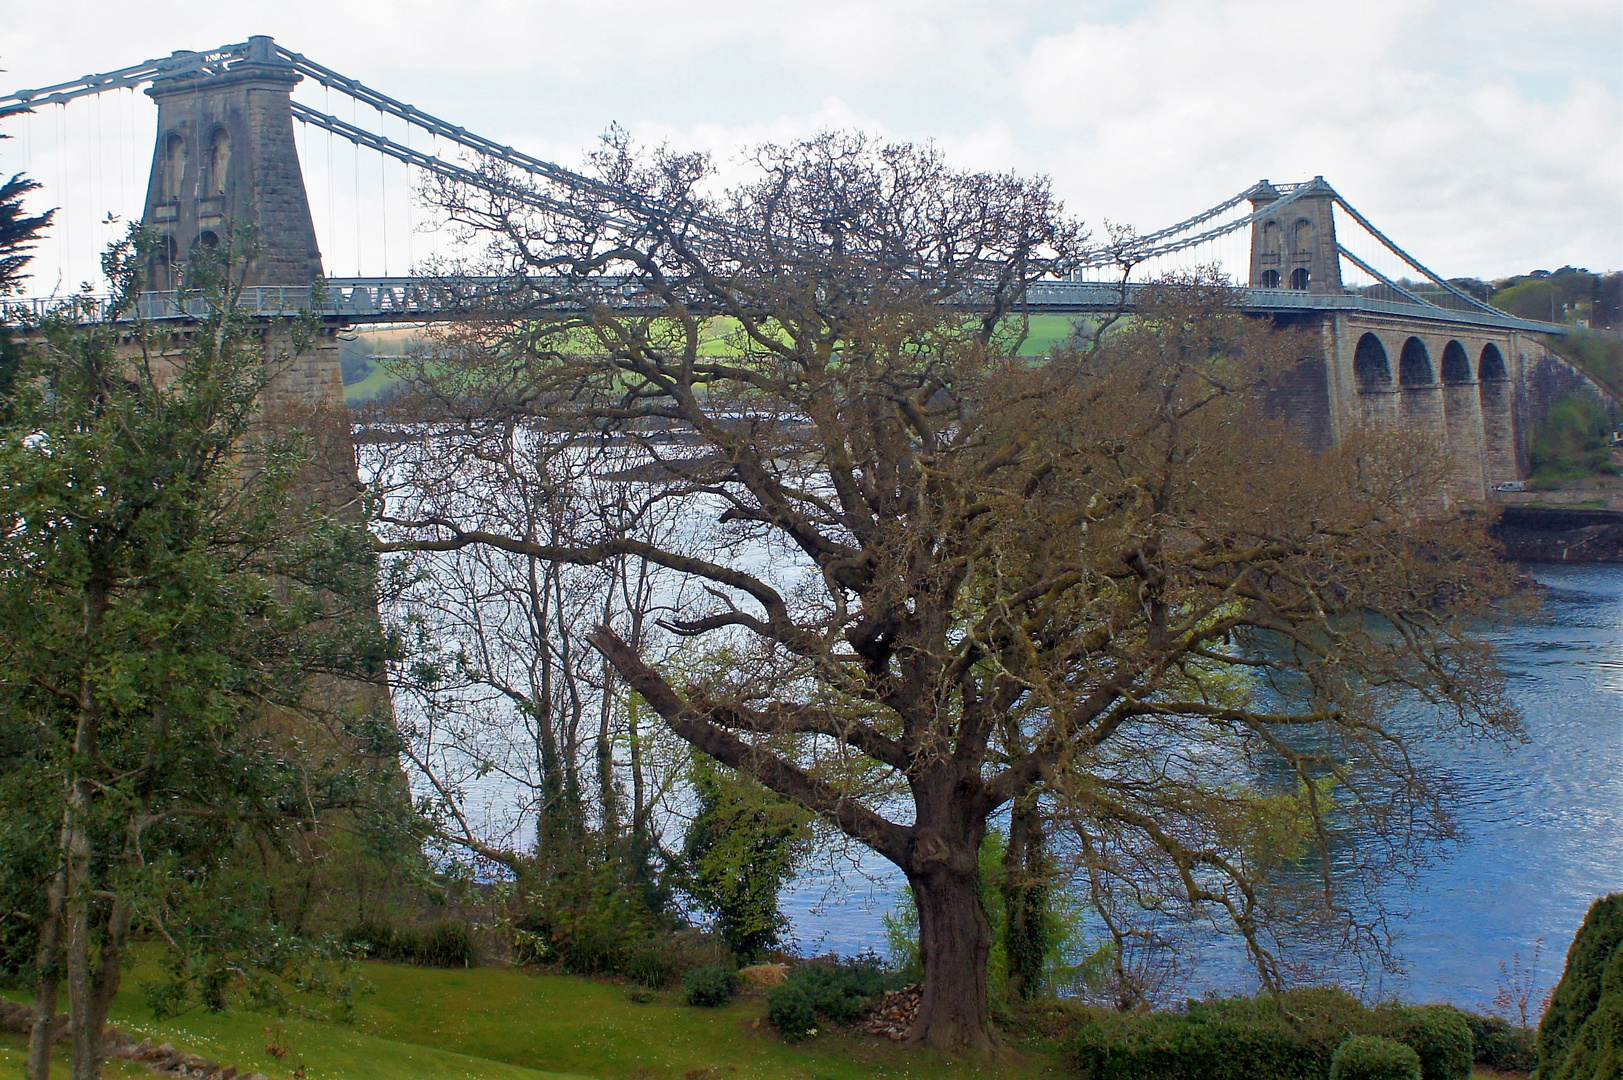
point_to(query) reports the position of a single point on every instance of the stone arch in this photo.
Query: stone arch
(207, 240)
(1302, 236)
(174, 164)
(1270, 279)
(219, 160)
(1300, 278)
(1414, 364)
(1456, 365)
(1370, 364)
(1491, 365)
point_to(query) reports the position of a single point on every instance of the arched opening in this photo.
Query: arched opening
(174, 164)
(1270, 279)
(1302, 236)
(1299, 278)
(1456, 365)
(219, 160)
(207, 240)
(1270, 237)
(1491, 366)
(1370, 364)
(1414, 364)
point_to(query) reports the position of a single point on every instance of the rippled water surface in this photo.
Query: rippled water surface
(1544, 820)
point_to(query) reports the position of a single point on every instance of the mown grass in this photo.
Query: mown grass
(506, 1024)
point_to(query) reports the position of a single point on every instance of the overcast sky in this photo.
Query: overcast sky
(1486, 136)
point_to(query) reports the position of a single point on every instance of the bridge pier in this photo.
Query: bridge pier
(1462, 410)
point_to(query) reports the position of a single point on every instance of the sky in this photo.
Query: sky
(1485, 136)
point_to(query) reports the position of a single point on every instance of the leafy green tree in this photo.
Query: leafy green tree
(1574, 440)
(742, 849)
(175, 613)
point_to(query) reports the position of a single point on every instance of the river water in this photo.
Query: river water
(1543, 821)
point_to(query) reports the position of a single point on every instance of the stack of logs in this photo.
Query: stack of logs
(891, 1014)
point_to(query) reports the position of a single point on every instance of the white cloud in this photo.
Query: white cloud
(1485, 137)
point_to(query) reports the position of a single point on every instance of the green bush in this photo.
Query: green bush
(1370, 1057)
(1581, 1035)
(1292, 1037)
(1497, 1044)
(442, 944)
(1438, 1033)
(838, 991)
(446, 945)
(1573, 441)
(1236, 1039)
(708, 987)
(790, 1009)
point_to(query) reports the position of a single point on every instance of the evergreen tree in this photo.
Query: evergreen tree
(169, 599)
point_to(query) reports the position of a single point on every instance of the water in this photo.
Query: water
(1544, 820)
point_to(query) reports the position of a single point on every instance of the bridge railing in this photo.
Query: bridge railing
(404, 299)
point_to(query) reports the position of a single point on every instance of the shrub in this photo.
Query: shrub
(640, 995)
(446, 945)
(790, 1009)
(1498, 1044)
(708, 987)
(443, 944)
(838, 991)
(1234, 1039)
(1593, 977)
(1438, 1033)
(1370, 1057)
(1292, 1037)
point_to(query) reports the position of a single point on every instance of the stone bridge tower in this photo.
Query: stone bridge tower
(1296, 247)
(225, 159)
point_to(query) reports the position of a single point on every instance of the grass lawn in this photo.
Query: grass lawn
(501, 1024)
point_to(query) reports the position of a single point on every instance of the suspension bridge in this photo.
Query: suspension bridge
(1400, 344)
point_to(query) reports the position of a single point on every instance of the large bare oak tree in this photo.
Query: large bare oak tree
(1105, 580)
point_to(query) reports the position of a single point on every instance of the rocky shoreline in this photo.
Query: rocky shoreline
(1560, 534)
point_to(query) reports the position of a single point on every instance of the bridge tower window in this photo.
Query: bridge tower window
(1270, 279)
(174, 165)
(1370, 364)
(1491, 367)
(1299, 278)
(1414, 364)
(1302, 236)
(1270, 237)
(207, 240)
(219, 160)
(1456, 365)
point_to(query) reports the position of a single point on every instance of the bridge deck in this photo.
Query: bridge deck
(353, 301)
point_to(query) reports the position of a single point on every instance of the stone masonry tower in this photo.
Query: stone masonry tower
(225, 159)
(1295, 248)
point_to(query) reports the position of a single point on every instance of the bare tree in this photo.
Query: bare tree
(512, 720)
(950, 578)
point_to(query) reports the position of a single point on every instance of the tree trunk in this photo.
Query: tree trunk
(955, 939)
(48, 960)
(1026, 879)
